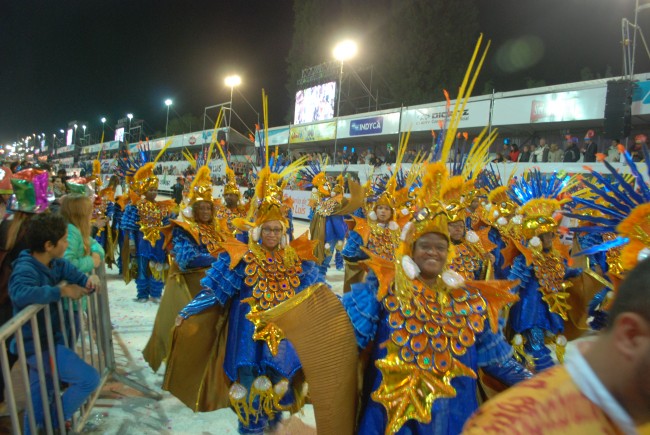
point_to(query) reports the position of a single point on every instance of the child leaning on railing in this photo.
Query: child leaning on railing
(41, 276)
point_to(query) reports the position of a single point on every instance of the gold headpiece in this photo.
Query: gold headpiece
(502, 202)
(201, 187)
(451, 199)
(144, 179)
(231, 183)
(636, 227)
(538, 217)
(97, 173)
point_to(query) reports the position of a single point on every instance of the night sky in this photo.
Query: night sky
(80, 60)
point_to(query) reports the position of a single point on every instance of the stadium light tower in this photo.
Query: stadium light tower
(232, 81)
(343, 51)
(168, 102)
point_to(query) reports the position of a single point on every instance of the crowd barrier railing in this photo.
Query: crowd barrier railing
(86, 329)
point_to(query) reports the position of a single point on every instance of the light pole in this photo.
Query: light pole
(130, 116)
(103, 120)
(344, 50)
(84, 137)
(232, 81)
(168, 102)
(74, 136)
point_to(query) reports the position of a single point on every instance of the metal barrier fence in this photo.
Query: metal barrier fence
(87, 331)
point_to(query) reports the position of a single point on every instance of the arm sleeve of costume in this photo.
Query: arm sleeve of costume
(571, 272)
(309, 274)
(187, 253)
(520, 271)
(492, 348)
(363, 309)
(352, 249)
(75, 252)
(219, 285)
(25, 288)
(130, 221)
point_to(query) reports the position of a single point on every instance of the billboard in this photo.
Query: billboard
(315, 103)
(119, 134)
(68, 137)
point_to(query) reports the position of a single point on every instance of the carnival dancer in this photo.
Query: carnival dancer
(385, 207)
(429, 329)
(617, 213)
(142, 222)
(195, 242)
(256, 362)
(328, 207)
(472, 258)
(232, 208)
(542, 271)
(106, 206)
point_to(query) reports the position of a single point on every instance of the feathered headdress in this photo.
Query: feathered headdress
(620, 209)
(313, 177)
(143, 178)
(268, 202)
(537, 195)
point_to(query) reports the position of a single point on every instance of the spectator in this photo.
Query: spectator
(532, 147)
(514, 153)
(177, 190)
(41, 276)
(540, 155)
(499, 158)
(601, 388)
(571, 154)
(613, 155)
(636, 149)
(555, 154)
(590, 148)
(505, 151)
(524, 156)
(391, 157)
(354, 157)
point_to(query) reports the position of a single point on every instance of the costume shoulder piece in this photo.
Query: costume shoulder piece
(235, 249)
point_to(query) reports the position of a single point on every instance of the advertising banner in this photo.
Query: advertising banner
(476, 114)
(313, 132)
(385, 123)
(277, 136)
(580, 105)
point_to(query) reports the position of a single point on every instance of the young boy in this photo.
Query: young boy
(41, 276)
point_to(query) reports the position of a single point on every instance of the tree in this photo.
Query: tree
(427, 48)
(418, 47)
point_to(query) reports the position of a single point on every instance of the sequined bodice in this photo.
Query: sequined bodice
(436, 326)
(549, 271)
(224, 212)
(466, 262)
(274, 278)
(151, 216)
(383, 241)
(210, 237)
(271, 279)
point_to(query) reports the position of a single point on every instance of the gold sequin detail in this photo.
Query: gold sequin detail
(151, 216)
(432, 329)
(466, 263)
(549, 272)
(273, 281)
(383, 241)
